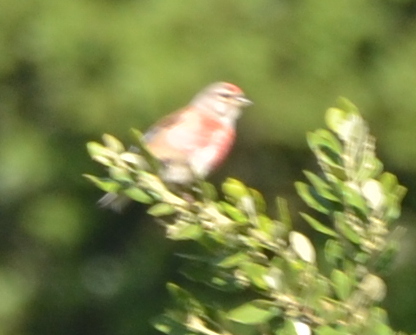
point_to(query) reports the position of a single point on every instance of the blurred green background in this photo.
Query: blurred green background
(72, 70)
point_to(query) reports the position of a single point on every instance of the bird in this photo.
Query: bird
(193, 141)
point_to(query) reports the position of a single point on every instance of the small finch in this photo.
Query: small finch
(193, 141)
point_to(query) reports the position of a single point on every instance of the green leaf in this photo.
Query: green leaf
(345, 228)
(325, 139)
(255, 273)
(377, 323)
(138, 195)
(97, 149)
(394, 200)
(185, 231)
(161, 209)
(104, 184)
(342, 284)
(327, 330)
(379, 328)
(400, 192)
(132, 158)
(333, 169)
(283, 212)
(100, 153)
(234, 190)
(119, 174)
(395, 194)
(267, 226)
(205, 272)
(168, 325)
(256, 312)
(142, 148)
(318, 226)
(307, 193)
(392, 213)
(209, 191)
(334, 118)
(321, 186)
(334, 252)
(233, 212)
(234, 260)
(347, 106)
(362, 257)
(287, 329)
(370, 167)
(113, 143)
(259, 201)
(319, 290)
(329, 150)
(294, 271)
(137, 134)
(354, 199)
(331, 141)
(393, 207)
(185, 300)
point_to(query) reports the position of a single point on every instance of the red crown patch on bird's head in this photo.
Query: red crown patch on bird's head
(232, 88)
(222, 85)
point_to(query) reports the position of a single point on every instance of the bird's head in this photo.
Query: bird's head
(222, 99)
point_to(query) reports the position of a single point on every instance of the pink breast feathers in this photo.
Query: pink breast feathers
(215, 146)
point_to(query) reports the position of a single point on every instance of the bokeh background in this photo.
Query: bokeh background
(72, 70)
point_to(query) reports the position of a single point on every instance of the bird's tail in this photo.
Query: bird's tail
(118, 202)
(114, 201)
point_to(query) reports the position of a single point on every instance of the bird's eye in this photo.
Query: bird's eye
(225, 95)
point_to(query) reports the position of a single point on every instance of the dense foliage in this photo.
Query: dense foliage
(242, 250)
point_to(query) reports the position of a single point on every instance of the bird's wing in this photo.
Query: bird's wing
(164, 123)
(175, 136)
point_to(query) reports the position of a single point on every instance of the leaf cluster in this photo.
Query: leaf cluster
(245, 253)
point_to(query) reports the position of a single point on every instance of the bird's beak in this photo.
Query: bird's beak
(243, 101)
